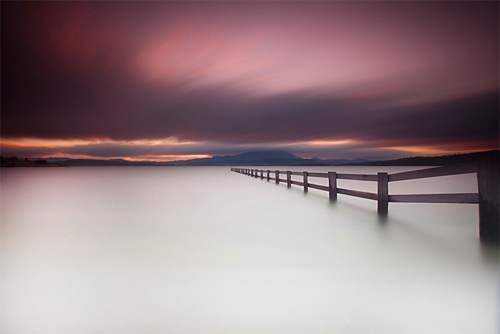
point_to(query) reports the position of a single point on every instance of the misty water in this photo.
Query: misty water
(206, 250)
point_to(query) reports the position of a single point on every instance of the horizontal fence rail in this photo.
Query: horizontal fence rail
(487, 197)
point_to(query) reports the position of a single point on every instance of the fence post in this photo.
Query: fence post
(383, 194)
(268, 177)
(277, 175)
(305, 181)
(488, 184)
(261, 174)
(332, 185)
(288, 179)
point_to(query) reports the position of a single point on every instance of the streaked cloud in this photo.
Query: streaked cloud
(137, 79)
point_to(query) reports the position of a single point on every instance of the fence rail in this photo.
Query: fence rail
(487, 196)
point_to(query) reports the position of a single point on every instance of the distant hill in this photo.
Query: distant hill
(432, 161)
(15, 162)
(335, 162)
(269, 158)
(111, 162)
(257, 158)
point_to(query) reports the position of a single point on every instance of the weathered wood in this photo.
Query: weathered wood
(357, 193)
(332, 186)
(488, 184)
(298, 183)
(319, 187)
(304, 174)
(382, 194)
(312, 174)
(464, 168)
(358, 177)
(471, 198)
(488, 171)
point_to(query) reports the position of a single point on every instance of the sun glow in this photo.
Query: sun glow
(167, 157)
(59, 143)
(328, 142)
(429, 150)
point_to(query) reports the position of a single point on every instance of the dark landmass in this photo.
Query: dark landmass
(15, 162)
(433, 161)
(257, 158)
(111, 162)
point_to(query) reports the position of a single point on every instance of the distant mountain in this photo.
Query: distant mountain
(343, 161)
(15, 162)
(256, 158)
(432, 161)
(112, 162)
(276, 158)
(51, 159)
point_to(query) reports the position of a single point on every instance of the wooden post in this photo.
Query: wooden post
(383, 194)
(488, 185)
(268, 177)
(277, 175)
(261, 174)
(332, 185)
(288, 179)
(305, 181)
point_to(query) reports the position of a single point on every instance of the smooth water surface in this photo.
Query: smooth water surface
(206, 250)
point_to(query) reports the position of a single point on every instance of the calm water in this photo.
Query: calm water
(205, 250)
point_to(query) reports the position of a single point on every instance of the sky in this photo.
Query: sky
(178, 80)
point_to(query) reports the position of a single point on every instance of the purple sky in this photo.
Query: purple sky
(171, 80)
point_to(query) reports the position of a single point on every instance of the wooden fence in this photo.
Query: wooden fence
(487, 196)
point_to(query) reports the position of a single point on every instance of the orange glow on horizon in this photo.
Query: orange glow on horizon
(429, 150)
(166, 157)
(54, 143)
